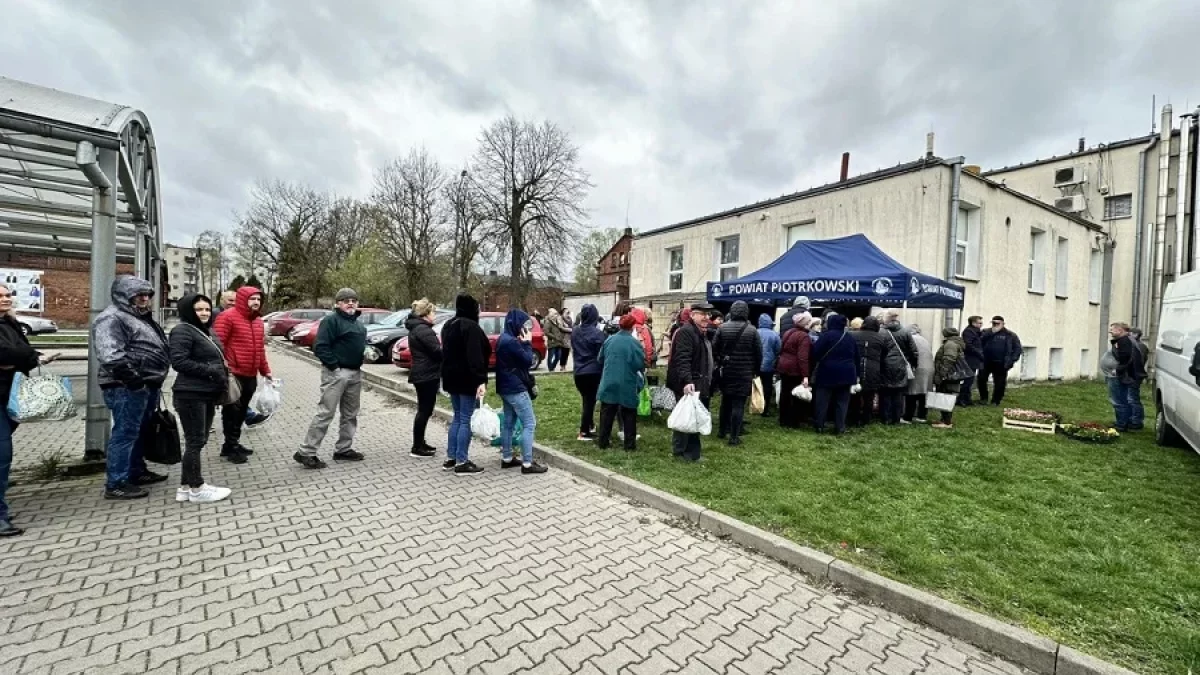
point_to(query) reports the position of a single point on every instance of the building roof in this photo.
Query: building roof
(863, 179)
(63, 107)
(1115, 145)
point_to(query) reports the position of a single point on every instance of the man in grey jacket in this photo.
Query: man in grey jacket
(132, 350)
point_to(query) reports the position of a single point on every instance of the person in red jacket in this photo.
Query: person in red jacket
(794, 369)
(642, 333)
(241, 332)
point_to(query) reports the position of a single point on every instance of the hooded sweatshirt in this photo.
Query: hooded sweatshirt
(130, 345)
(465, 349)
(771, 343)
(196, 355)
(241, 334)
(514, 356)
(586, 341)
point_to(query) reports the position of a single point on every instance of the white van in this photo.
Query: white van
(1176, 391)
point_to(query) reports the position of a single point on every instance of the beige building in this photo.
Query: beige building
(1135, 191)
(183, 271)
(1044, 270)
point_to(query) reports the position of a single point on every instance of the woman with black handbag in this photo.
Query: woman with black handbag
(201, 383)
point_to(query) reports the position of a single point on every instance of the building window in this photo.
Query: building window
(1062, 282)
(1095, 276)
(620, 280)
(1119, 206)
(1037, 261)
(1087, 367)
(1056, 363)
(728, 254)
(966, 248)
(1029, 363)
(624, 259)
(675, 269)
(801, 232)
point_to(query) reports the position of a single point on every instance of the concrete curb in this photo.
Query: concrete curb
(1018, 645)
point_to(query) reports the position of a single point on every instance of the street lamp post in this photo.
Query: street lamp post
(459, 261)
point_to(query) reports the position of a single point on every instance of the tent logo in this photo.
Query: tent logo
(882, 286)
(914, 286)
(717, 290)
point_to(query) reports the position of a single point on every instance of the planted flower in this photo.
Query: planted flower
(1040, 416)
(1090, 432)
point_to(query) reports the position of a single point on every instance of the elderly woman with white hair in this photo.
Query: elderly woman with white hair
(16, 356)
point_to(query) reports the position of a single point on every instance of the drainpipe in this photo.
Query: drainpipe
(1160, 220)
(956, 165)
(1196, 200)
(1139, 246)
(1181, 208)
(89, 164)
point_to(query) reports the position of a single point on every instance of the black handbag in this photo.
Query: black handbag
(160, 438)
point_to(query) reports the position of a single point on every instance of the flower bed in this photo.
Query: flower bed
(1090, 432)
(1038, 421)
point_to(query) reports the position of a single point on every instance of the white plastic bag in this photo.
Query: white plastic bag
(267, 398)
(778, 388)
(690, 416)
(485, 422)
(802, 392)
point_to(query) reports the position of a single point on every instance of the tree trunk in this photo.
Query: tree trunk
(517, 290)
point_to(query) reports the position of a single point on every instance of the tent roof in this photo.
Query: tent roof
(845, 270)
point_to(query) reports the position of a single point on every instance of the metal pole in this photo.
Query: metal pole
(103, 271)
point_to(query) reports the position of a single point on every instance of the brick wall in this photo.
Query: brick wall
(66, 284)
(613, 269)
(496, 299)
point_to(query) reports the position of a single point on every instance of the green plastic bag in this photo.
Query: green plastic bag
(518, 428)
(644, 403)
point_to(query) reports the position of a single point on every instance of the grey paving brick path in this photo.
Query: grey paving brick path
(393, 566)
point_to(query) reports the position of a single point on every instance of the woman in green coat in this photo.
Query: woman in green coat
(623, 363)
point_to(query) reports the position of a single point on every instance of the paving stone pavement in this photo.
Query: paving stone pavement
(394, 566)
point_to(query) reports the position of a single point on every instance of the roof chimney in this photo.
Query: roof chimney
(629, 232)
(929, 145)
(1082, 144)
(845, 166)
(1168, 121)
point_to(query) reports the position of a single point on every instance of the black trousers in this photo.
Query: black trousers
(233, 416)
(731, 416)
(862, 407)
(891, 404)
(685, 446)
(823, 397)
(426, 400)
(588, 386)
(964, 391)
(768, 386)
(999, 375)
(196, 418)
(914, 407)
(793, 412)
(608, 415)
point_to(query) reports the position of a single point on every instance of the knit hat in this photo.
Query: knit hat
(628, 322)
(949, 332)
(345, 294)
(802, 301)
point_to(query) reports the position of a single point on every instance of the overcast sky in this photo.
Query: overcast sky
(680, 108)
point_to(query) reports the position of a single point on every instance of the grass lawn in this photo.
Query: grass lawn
(1095, 546)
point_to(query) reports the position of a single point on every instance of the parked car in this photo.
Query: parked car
(283, 322)
(492, 323)
(36, 325)
(306, 333)
(1177, 364)
(383, 336)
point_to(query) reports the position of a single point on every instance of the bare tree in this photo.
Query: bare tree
(407, 202)
(287, 220)
(532, 188)
(469, 228)
(212, 262)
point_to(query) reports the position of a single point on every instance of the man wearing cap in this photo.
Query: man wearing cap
(1001, 351)
(690, 371)
(340, 342)
(799, 306)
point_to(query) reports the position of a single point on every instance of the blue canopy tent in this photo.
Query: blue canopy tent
(847, 270)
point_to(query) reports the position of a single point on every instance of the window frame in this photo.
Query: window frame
(1096, 276)
(1037, 264)
(969, 242)
(722, 266)
(673, 272)
(1062, 267)
(1112, 199)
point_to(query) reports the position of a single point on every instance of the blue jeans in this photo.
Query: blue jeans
(131, 410)
(6, 452)
(1126, 401)
(517, 405)
(459, 443)
(552, 358)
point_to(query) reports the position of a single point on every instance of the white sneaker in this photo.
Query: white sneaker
(181, 495)
(208, 493)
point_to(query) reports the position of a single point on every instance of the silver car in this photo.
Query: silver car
(36, 325)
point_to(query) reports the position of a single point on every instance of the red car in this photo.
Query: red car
(305, 334)
(492, 324)
(283, 322)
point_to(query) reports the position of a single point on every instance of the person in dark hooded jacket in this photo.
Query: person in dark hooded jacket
(514, 358)
(465, 354)
(837, 367)
(737, 351)
(200, 380)
(772, 344)
(873, 347)
(586, 341)
(954, 350)
(897, 363)
(426, 370)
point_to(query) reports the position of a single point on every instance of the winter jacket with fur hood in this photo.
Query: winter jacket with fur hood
(130, 345)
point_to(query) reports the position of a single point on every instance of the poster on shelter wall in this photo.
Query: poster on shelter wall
(26, 286)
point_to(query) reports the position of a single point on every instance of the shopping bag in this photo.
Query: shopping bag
(758, 402)
(267, 399)
(44, 396)
(233, 390)
(690, 416)
(938, 401)
(645, 405)
(662, 398)
(802, 392)
(160, 438)
(778, 388)
(485, 422)
(517, 430)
